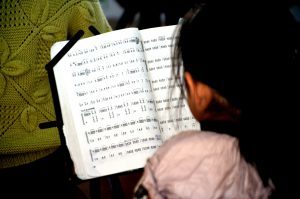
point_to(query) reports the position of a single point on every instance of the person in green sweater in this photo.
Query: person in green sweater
(31, 158)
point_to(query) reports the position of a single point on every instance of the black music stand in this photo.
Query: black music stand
(115, 185)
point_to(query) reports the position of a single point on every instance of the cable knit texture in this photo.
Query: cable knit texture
(28, 29)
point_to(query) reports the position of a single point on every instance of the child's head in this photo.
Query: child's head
(209, 47)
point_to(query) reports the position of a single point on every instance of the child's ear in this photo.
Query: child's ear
(199, 95)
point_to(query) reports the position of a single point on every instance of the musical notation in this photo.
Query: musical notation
(118, 90)
(118, 109)
(102, 46)
(132, 124)
(123, 148)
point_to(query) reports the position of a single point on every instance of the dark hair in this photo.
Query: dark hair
(209, 47)
(228, 47)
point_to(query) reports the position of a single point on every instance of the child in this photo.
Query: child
(208, 163)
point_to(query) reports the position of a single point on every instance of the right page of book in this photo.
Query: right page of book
(173, 116)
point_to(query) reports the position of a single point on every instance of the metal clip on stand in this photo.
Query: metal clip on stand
(95, 185)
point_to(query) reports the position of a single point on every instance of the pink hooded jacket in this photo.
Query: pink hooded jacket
(201, 165)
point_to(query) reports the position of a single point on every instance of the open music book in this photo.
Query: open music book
(114, 93)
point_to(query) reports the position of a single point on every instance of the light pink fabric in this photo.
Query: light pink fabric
(201, 165)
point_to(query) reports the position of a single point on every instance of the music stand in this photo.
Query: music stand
(115, 185)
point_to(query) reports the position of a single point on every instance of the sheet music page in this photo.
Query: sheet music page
(106, 103)
(157, 46)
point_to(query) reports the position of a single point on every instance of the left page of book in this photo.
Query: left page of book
(108, 112)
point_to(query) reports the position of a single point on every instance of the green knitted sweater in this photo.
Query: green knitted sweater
(28, 28)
